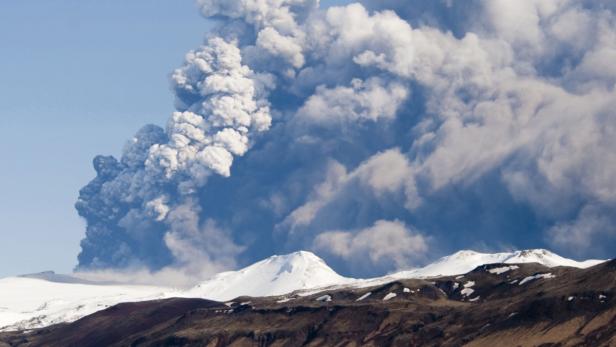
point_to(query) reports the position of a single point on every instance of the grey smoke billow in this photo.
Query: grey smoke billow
(441, 124)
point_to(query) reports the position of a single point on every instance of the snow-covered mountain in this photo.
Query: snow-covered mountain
(43, 299)
(27, 302)
(464, 261)
(276, 275)
(47, 298)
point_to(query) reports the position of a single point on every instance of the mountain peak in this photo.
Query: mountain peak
(276, 275)
(298, 256)
(534, 252)
(463, 254)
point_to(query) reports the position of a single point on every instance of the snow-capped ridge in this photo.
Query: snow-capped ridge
(465, 261)
(37, 300)
(547, 258)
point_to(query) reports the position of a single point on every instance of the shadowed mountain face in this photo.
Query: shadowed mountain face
(498, 304)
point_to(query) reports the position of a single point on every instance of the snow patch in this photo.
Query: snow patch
(324, 298)
(468, 288)
(467, 291)
(534, 277)
(389, 296)
(363, 296)
(469, 284)
(502, 270)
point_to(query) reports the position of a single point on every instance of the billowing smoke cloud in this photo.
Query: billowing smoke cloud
(148, 201)
(385, 245)
(397, 129)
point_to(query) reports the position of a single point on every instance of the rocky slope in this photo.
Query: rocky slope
(524, 304)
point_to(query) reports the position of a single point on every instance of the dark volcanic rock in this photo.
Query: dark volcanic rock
(527, 306)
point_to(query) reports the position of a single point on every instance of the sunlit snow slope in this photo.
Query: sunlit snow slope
(32, 302)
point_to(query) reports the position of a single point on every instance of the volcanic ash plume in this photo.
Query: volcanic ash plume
(142, 209)
(439, 124)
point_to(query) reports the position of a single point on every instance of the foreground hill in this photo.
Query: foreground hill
(524, 304)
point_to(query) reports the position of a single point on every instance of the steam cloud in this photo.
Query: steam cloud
(419, 126)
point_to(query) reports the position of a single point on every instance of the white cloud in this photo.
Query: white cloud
(200, 247)
(384, 242)
(278, 14)
(276, 44)
(578, 234)
(204, 138)
(550, 138)
(361, 101)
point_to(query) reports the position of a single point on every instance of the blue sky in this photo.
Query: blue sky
(78, 78)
